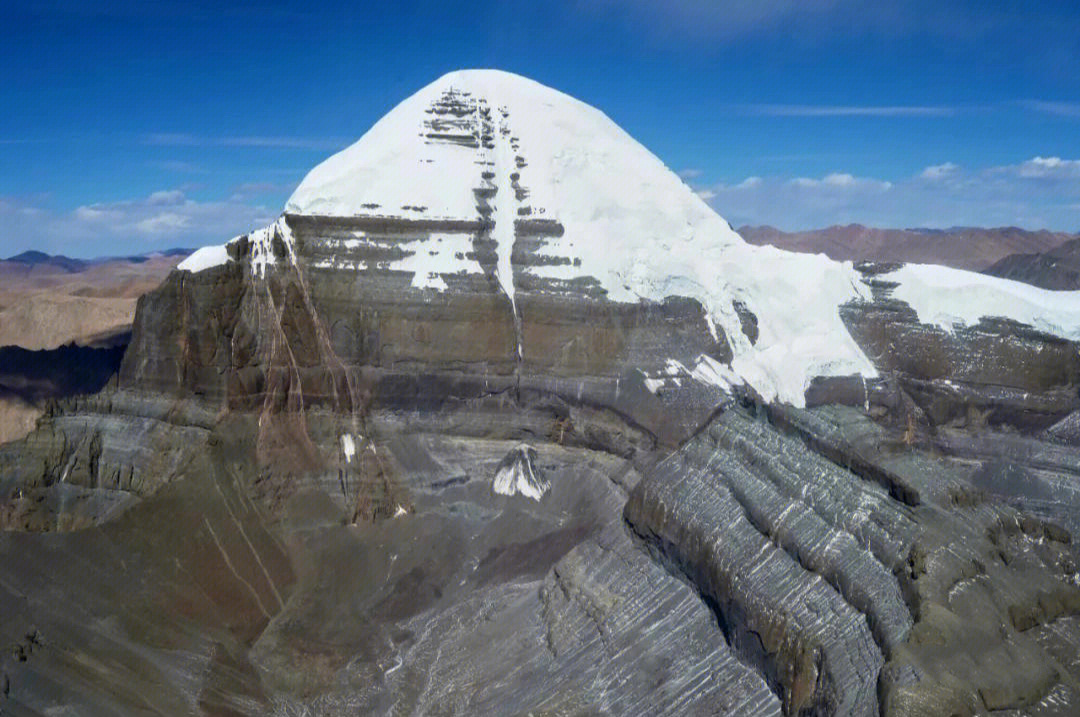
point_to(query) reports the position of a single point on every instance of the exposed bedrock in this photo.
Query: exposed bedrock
(997, 372)
(91, 458)
(475, 602)
(848, 598)
(149, 614)
(318, 333)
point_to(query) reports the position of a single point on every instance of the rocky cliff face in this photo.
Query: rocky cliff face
(413, 450)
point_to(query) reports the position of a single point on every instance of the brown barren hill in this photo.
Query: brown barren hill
(1057, 269)
(968, 248)
(17, 418)
(47, 302)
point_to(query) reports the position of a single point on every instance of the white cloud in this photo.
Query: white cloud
(164, 224)
(1040, 192)
(1049, 168)
(940, 171)
(89, 214)
(690, 173)
(840, 180)
(161, 219)
(166, 198)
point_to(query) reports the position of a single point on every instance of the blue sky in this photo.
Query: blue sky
(133, 126)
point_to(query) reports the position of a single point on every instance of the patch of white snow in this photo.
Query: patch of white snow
(435, 256)
(205, 258)
(951, 298)
(348, 447)
(516, 474)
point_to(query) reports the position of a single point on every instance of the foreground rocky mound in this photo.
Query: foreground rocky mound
(500, 418)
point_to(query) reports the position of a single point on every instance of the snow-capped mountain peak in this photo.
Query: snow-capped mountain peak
(560, 200)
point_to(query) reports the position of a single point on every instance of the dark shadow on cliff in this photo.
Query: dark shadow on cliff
(70, 370)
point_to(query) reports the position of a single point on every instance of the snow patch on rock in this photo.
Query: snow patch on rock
(951, 298)
(348, 447)
(205, 258)
(435, 256)
(429, 259)
(517, 474)
(262, 245)
(262, 249)
(705, 370)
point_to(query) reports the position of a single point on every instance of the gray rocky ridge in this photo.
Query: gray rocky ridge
(414, 459)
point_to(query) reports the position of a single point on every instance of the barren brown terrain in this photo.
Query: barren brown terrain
(47, 302)
(17, 418)
(968, 248)
(1057, 269)
(44, 305)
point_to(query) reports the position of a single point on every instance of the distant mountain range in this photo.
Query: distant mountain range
(47, 301)
(969, 248)
(34, 259)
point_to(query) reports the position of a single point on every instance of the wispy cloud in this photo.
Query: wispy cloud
(1060, 109)
(179, 166)
(767, 110)
(169, 9)
(1039, 192)
(940, 171)
(175, 139)
(247, 190)
(163, 218)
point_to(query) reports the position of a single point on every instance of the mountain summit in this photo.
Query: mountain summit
(487, 173)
